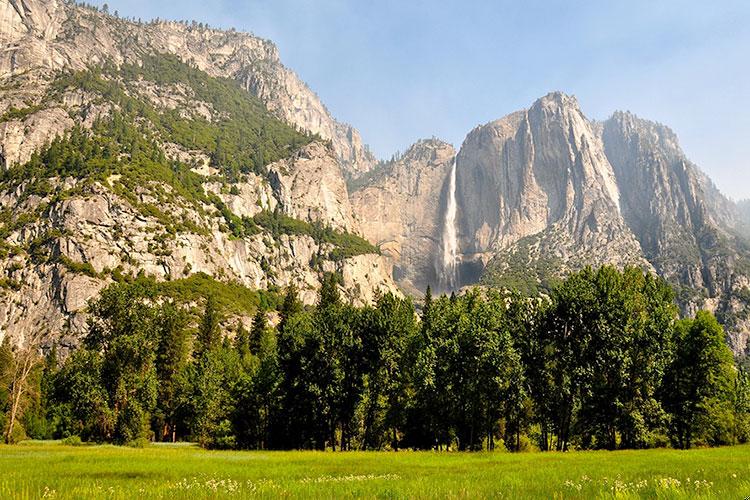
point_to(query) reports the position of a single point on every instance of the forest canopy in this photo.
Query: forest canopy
(603, 362)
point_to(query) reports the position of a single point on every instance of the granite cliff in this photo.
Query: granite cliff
(182, 156)
(192, 157)
(545, 190)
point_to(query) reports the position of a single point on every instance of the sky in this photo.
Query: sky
(401, 70)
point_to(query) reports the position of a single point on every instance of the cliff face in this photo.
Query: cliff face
(309, 186)
(536, 185)
(688, 230)
(47, 35)
(545, 191)
(160, 168)
(400, 210)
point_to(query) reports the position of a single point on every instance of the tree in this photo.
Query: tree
(83, 401)
(18, 372)
(598, 357)
(242, 342)
(386, 331)
(257, 398)
(290, 306)
(260, 324)
(295, 423)
(171, 362)
(124, 329)
(209, 401)
(209, 333)
(698, 384)
(40, 420)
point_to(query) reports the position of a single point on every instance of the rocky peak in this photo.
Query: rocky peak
(530, 170)
(557, 102)
(44, 35)
(427, 152)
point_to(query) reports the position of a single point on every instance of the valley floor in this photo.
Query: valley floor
(51, 470)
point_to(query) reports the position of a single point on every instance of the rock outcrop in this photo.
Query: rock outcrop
(399, 210)
(63, 237)
(545, 191)
(41, 36)
(310, 187)
(687, 229)
(537, 193)
(541, 176)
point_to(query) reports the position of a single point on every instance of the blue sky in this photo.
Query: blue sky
(403, 70)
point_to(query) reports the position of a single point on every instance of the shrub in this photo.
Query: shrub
(72, 441)
(140, 442)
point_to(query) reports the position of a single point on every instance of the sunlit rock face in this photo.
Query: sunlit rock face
(545, 191)
(93, 230)
(47, 35)
(400, 208)
(537, 193)
(541, 174)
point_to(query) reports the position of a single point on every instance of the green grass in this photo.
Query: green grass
(30, 470)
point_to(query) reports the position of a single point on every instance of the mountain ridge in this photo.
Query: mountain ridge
(223, 163)
(545, 190)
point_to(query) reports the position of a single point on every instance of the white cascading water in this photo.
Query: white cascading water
(450, 236)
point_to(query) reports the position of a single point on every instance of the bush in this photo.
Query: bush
(72, 441)
(221, 438)
(19, 434)
(140, 442)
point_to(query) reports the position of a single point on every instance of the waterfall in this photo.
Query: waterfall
(450, 236)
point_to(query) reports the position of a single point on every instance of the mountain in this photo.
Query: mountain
(535, 191)
(545, 190)
(192, 161)
(43, 36)
(183, 158)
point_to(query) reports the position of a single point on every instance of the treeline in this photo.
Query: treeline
(604, 362)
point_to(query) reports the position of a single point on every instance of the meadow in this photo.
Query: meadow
(53, 470)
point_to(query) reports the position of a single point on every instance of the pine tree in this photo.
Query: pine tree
(290, 307)
(260, 323)
(209, 335)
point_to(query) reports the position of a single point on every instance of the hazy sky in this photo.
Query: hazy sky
(400, 70)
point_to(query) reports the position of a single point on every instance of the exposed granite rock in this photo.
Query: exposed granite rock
(688, 230)
(102, 230)
(47, 35)
(310, 186)
(399, 211)
(543, 173)
(20, 138)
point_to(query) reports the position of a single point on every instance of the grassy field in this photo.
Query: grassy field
(51, 470)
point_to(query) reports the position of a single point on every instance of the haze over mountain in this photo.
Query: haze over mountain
(193, 156)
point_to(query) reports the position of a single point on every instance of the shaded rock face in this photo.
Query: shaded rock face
(688, 230)
(401, 210)
(46, 35)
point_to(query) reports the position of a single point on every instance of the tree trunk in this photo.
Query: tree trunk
(23, 366)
